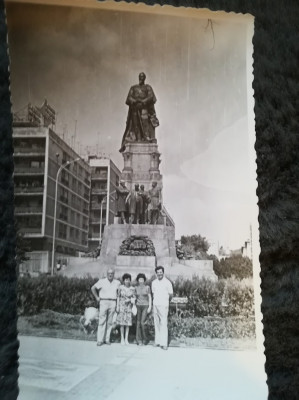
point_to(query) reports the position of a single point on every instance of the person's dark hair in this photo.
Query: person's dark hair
(141, 276)
(126, 276)
(159, 267)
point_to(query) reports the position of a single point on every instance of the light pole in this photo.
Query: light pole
(101, 219)
(55, 209)
(101, 213)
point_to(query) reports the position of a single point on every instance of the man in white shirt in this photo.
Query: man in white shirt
(105, 292)
(162, 293)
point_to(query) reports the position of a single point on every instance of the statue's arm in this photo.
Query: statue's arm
(124, 191)
(130, 99)
(151, 98)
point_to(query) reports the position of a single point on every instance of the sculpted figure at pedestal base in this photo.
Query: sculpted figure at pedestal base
(141, 120)
(135, 202)
(121, 195)
(155, 203)
(146, 200)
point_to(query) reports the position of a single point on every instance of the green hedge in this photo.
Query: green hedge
(57, 293)
(71, 295)
(227, 297)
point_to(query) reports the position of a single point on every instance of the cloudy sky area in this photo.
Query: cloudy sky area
(84, 62)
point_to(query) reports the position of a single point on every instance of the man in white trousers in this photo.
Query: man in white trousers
(105, 292)
(162, 293)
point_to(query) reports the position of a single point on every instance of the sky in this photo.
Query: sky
(83, 61)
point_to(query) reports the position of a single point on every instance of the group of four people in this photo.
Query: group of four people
(114, 297)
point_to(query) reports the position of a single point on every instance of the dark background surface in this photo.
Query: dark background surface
(276, 84)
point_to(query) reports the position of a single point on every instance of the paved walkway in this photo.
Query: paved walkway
(63, 369)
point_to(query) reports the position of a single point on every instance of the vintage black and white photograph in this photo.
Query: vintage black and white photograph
(135, 204)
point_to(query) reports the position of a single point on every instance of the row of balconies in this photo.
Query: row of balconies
(28, 210)
(37, 229)
(29, 189)
(40, 150)
(97, 205)
(25, 170)
(102, 191)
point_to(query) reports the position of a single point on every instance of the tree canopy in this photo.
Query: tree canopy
(195, 245)
(238, 266)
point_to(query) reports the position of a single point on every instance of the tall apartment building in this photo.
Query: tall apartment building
(104, 178)
(38, 154)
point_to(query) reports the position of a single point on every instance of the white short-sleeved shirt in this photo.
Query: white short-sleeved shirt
(161, 290)
(108, 290)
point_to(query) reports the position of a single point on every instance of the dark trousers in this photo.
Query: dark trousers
(141, 335)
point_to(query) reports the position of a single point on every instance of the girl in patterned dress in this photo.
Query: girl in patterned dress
(126, 297)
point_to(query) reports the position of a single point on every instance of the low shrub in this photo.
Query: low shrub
(179, 328)
(52, 319)
(226, 297)
(212, 327)
(207, 327)
(57, 293)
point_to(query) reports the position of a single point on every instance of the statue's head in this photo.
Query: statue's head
(122, 182)
(142, 187)
(137, 187)
(142, 77)
(154, 184)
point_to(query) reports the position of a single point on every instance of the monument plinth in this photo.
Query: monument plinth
(141, 165)
(161, 236)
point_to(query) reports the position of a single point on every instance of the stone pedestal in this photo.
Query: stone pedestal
(136, 261)
(141, 165)
(162, 237)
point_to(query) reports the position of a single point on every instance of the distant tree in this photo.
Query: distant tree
(195, 245)
(22, 246)
(238, 266)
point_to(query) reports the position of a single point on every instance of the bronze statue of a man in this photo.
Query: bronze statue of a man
(121, 195)
(155, 204)
(146, 200)
(135, 202)
(141, 120)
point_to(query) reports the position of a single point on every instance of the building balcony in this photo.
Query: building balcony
(97, 206)
(27, 151)
(100, 178)
(37, 230)
(99, 191)
(93, 237)
(28, 170)
(95, 221)
(29, 190)
(28, 210)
